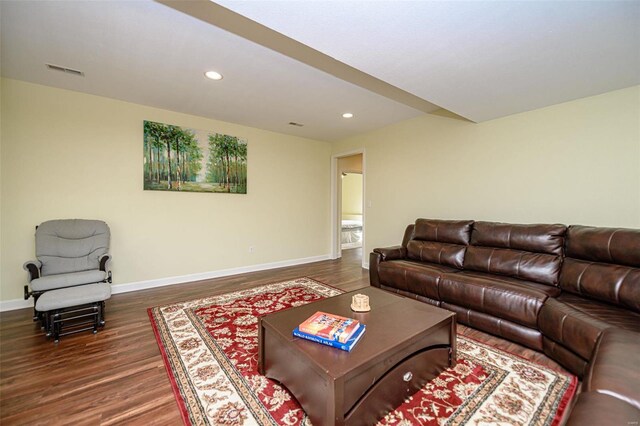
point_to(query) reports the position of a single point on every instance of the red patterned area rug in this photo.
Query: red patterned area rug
(210, 350)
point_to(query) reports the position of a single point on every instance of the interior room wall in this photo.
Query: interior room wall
(72, 155)
(351, 185)
(1, 198)
(572, 163)
(351, 195)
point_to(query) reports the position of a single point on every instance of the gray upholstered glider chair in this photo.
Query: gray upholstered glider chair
(70, 252)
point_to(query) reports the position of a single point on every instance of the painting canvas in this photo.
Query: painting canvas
(188, 160)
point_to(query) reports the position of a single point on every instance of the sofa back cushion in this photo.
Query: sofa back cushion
(603, 264)
(526, 252)
(440, 241)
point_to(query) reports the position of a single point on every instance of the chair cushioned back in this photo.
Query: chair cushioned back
(71, 245)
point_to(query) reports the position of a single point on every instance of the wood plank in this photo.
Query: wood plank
(118, 376)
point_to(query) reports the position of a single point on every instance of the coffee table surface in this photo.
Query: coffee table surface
(394, 322)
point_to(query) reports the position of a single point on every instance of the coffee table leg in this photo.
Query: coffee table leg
(335, 406)
(453, 338)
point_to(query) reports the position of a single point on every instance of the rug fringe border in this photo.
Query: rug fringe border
(184, 413)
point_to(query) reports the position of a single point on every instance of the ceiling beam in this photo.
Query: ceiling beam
(221, 17)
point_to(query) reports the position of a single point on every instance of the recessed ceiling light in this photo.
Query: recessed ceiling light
(347, 115)
(213, 75)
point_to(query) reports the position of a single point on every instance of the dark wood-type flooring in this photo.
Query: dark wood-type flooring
(117, 376)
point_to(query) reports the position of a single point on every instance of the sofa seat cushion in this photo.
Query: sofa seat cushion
(576, 322)
(50, 282)
(615, 367)
(503, 297)
(550, 291)
(415, 277)
(509, 330)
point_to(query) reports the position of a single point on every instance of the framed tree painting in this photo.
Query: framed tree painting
(181, 159)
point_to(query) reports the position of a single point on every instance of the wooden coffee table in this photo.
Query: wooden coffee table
(406, 344)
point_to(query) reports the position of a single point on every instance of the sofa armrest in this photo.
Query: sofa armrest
(374, 264)
(614, 368)
(33, 267)
(593, 408)
(391, 253)
(381, 255)
(105, 261)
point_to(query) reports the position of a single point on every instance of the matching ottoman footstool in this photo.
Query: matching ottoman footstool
(73, 309)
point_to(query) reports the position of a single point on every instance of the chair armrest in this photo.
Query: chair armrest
(105, 261)
(33, 267)
(391, 253)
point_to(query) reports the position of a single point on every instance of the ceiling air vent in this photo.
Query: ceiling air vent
(64, 69)
(293, 123)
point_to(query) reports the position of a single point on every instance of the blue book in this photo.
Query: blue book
(347, 346)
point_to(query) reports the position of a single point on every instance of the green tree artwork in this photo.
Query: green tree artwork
(181, 159)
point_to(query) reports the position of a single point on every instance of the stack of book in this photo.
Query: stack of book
(331, 330)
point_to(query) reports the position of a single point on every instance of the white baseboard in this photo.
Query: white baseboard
(161, 282)
(9, 305)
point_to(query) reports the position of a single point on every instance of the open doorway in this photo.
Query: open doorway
(351, 218)
(348, 204)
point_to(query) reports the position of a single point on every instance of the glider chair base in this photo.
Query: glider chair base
(37, 316)
(62, 322)
(73, 309)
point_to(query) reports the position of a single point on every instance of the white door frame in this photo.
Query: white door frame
(336, 204)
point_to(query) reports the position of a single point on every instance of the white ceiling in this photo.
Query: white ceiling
(478, 59)
(147, 53)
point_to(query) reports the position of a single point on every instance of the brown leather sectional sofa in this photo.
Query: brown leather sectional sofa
(570, 292)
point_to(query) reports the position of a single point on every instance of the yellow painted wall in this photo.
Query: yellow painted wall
(71, 155)
(572, 163)
(351, 195)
